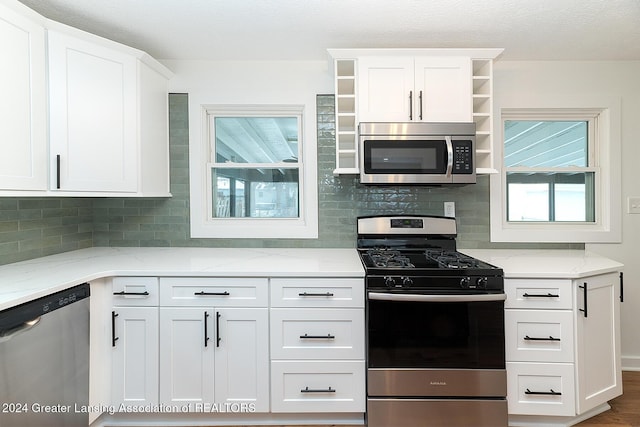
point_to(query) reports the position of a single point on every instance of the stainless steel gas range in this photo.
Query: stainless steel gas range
(435, 327)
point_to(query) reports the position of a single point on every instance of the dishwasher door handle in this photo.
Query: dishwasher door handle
(8, 333)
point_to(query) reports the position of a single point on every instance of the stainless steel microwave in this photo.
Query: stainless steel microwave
(417, 153)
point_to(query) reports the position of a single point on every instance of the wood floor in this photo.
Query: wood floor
(625, 409)
(624, 412)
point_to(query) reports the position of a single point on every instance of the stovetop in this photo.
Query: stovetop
(419, 253)
(423, 262)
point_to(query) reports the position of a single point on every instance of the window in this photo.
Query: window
(559, 180)
(550, 169)
(255, 173)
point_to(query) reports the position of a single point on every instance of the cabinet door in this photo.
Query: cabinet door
(135, 356)
(443, 89)
(242, 358)
(385, 89)
(23, 138)
(598, 360)
(93, 116)
(186, 356)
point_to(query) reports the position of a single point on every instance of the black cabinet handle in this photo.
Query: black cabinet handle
(203, 293)
(114, 338)
(320, 294)
(410, 105)
(311, 390)
(420, 98)
(58, 171)
(547, 295)
(218, 339)
(545, 393)
(584, 292)
(317, 337)
(528, 338)
(206, 329)
(621, 287)
(131, 293)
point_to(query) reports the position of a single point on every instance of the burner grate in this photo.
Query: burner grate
(454, 260)
(389, 258)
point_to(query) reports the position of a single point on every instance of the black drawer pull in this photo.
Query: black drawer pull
(317, 337)
(201, 293)
(528, 338)
(585, 294)
(311, 390)
(131, 293)
(206, 329)
(547, 295)
(114, 338)
(218, 339)
(544, 393)
(322, 294)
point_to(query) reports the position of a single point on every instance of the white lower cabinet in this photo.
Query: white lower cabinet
(135, 356)
(562, 345)
(214, 356)
(196, 343)
(317, 386)
(214, 342)
(134, 341)
(598, 356)
(541, 388)
(317, 345)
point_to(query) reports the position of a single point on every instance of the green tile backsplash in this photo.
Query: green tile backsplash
(34, 227)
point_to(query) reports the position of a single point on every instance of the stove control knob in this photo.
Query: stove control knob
(389, 282)
(407, 281)
(481, 282)
(464, 282)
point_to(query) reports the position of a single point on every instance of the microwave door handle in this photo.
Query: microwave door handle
(449, 155)
(381, 296)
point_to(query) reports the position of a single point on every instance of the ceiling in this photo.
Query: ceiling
(304, 29)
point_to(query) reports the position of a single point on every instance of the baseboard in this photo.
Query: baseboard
(631, 363)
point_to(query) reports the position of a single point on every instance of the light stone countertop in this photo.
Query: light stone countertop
(548, 264)
(27, 280)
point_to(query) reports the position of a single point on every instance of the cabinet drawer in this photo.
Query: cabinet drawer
(317, 292)
(317, 333)
(539, 335)
(318, 386)
(538, 293)
(540, 389)
(214, 292)
(135, 291)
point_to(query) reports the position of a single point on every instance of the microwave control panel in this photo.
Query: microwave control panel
(462, 157)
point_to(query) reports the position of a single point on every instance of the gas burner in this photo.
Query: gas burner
(389, 258)
(449, 259)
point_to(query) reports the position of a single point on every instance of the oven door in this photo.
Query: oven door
(436, 345)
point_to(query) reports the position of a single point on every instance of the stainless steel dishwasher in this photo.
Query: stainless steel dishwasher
(44, 361)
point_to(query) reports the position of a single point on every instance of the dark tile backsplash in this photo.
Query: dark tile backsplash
(34, 227)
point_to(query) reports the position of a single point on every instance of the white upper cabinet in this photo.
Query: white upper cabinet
(23, 114)
(430, 89)
(92, 116)
(105, 132)
(408, 85)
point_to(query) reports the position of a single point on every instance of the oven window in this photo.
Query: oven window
(436, 335)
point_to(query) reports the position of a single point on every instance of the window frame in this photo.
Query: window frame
(604, 161)
(202, 162)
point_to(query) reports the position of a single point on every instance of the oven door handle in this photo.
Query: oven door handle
(436, 298)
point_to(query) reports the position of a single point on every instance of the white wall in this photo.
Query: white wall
(515, 80)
